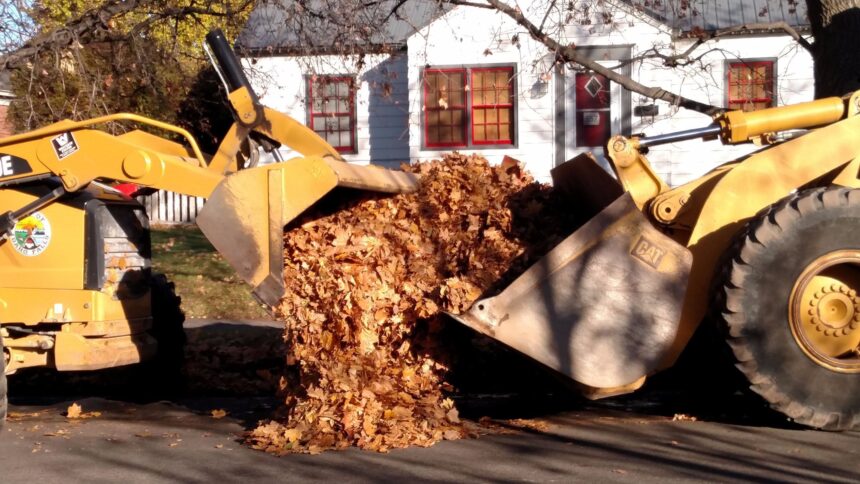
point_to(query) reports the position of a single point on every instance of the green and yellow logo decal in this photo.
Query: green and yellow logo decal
(32, 235)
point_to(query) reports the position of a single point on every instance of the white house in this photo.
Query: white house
(469, 79)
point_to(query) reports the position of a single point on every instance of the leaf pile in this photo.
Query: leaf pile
(367, 278)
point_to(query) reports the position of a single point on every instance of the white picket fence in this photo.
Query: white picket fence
(171, 208)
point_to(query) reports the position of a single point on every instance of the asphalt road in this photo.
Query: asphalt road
(647, 438)
(173, 442)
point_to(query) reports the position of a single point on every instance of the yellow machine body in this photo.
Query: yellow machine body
(51, 283)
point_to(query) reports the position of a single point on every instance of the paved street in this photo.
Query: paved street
(163, 442)
(669, 433)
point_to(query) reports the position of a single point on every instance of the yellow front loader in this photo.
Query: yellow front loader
(767, 246)
(76, 289)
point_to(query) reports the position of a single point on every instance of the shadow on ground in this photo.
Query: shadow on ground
(240, 364)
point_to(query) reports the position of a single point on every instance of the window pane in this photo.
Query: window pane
(433, 118)
(430, 91)
(457, 117)
(506, 132)
(455, 81)
(477, 81)
(430, 96)
(480, 133)
(478, 114)
(457, 98)
(505, 115)
(445, 117)
(504, 96)
(491, 116)
(501, 78)
(345, 139)
(333, 138)
(457, 135)
(477, 97)
(490, 97)
(492, 132)
(433, 135)
(344, 123)
(445, 134)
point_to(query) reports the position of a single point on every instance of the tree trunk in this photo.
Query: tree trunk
(835, 26)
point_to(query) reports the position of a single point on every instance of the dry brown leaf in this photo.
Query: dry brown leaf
(682, 417)
(21, 415)
(74, 411)
(218, 413)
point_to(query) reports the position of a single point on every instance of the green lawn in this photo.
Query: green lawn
(207, 284)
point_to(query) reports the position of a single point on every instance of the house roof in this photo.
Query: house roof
(710, 15)
(315, 26)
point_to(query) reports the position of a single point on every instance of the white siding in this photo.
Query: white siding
(453, 40)
(389, 111)
(381, 99)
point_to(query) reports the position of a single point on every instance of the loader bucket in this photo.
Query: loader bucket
(244, 218)
(601, 308)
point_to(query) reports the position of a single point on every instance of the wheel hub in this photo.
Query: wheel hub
(835, 310)
(824, 311)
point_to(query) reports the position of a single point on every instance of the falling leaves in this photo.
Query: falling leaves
(218, 413)
(366, 282)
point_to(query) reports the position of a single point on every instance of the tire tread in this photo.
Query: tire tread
(754, 238)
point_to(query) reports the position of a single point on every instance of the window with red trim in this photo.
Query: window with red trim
(332, 110)
(469, 106)
(750, 85)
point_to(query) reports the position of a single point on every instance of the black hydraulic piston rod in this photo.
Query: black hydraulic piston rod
(712, 130)
(228, 63)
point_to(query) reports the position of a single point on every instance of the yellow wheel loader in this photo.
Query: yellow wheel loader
(767, 245)
(76, 291)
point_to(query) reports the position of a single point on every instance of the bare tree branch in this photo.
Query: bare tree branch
(87, 25)
(568, 53)
(788, 29)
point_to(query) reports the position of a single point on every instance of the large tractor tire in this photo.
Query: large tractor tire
(167, 319)
(164, 373)
(790, 301)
